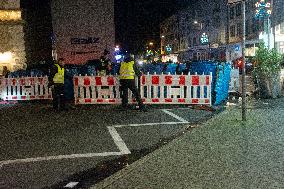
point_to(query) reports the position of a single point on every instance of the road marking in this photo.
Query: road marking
(149, 124)
(71, 185)
(115, 136)
(59, 157)
(175, 116)
(118, 141)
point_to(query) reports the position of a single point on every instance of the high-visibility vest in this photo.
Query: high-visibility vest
(126, 70)
(59, 76)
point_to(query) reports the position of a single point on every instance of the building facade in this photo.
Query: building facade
(199, 30)
(12, 47)
(214, 30)
(170, 37)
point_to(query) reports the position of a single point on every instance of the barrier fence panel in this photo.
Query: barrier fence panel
(176, 89)
(25, 88)
(154, 89)
(98, 90)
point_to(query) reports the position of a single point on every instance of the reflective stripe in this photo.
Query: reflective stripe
(126, 70)
(59, 76)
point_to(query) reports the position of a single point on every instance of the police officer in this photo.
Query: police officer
(127, 73)
(57, 80)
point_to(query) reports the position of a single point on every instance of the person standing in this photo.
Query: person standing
(56, 79)
(105, 64)
(127, 72)
(5, 72)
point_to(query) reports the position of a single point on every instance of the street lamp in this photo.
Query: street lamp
(151, 43)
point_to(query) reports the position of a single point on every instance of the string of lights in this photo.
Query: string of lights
(263, 8)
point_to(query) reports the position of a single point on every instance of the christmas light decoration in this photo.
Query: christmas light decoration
(263, 8)
(204, 39)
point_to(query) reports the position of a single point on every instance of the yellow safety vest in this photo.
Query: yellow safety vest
(126, 70)
(59, 76)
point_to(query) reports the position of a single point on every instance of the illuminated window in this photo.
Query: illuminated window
(10, 15)
(6, 57)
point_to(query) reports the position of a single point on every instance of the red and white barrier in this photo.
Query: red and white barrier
(25, 88)
(176, 89)
(155, 89)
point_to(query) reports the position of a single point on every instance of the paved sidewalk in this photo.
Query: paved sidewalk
(222, 153)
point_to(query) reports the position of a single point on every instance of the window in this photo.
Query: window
(282, 28)
(217, 20)
(248, 28)
(232, 31)
(232, 12)
(194, 41)
(239, 9)
(254, 27)
(239, 30)
(189, 42)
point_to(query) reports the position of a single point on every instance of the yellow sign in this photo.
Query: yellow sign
(10, 15)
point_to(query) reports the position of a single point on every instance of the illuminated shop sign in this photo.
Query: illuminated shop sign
(10, 15)
(83, 41)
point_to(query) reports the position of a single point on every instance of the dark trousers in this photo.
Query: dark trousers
(58, 97)
(129, 84)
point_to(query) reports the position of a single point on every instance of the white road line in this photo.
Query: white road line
(114, 134)
(118, 141)
(71, 156)
(149, 124)
(175, 116)
(71, 185)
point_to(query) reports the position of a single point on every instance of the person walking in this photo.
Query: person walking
(56, 80)
(127, 72)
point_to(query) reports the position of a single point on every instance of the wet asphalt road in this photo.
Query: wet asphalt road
(38, 145)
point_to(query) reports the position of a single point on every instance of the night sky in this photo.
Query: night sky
(138, 22)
